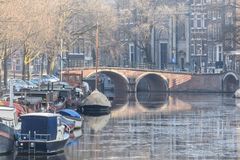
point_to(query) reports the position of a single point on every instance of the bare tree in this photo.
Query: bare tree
(39, 27)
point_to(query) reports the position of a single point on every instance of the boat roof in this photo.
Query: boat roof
(40, 114)
(70, 112)
(6, 108)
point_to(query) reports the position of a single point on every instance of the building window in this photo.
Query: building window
(220, 48)
(199, 23)
(192, 23)
(204, 21)
(229, 18)
(18, 68)
(192, 49)
(18, 61)
(131, 52)
(197, 2)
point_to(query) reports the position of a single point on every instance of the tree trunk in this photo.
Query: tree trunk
(28, 70)
(42, 65)
(5, 71)
(1, 75)
(23, 63)
(48, 65)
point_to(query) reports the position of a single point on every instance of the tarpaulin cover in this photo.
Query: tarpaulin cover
(70, 113)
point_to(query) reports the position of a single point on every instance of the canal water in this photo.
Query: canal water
(151, 126)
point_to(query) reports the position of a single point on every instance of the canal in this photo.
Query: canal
(151, 126)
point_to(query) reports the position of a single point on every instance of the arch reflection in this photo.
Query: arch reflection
(152, 100)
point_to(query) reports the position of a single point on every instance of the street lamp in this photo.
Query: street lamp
(174, 58)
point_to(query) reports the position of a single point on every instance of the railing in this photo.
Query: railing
(149, 67)
(24, 136)
(44, 137)
(27, 137)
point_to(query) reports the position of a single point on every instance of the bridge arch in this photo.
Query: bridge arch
(119, 80)
(230, 82)
(152, 82)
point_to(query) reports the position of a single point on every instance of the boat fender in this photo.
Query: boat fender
(60, 133)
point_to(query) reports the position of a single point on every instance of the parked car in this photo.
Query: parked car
(6, 97)
(36, 81)
(54, 77)
(46, 79)
(31, 84)
(18, 84)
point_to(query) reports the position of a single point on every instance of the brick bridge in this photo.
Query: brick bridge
(134, 80)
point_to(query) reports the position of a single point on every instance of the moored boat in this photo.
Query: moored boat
(72, 115)
(41, 133)
(19, 109)
(95, 104)
(8, 121)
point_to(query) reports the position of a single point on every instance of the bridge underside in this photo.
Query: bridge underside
(119, 82)
(230, 84)
(151, 83)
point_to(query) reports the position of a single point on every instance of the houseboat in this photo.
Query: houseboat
(41, 133)
(8, 121)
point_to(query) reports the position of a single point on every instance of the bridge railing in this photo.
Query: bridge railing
(145, 66)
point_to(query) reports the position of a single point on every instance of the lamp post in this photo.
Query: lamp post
(61, 63)
(174, 59)
(200, 54)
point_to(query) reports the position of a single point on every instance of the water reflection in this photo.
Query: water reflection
(172, 126)
(97, 123)
(9, 156)
(152, 100)
(237, 102)
(60, 156)
(175, 126)
(88, 146)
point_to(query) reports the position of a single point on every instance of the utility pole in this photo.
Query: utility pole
(11, 93)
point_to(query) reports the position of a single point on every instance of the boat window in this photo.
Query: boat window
(59, 121)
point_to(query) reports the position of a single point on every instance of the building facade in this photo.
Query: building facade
(197, 38)
(211, 34)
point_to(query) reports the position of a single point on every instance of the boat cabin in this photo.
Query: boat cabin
(8, 116)
(62, 89)
(40, 126)
(36, 97)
